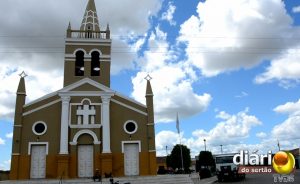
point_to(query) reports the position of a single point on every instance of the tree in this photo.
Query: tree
(206, 159)
(174, 159)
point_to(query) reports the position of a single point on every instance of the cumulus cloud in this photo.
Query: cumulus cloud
(35, 86)
(168, 15)
(288, 129)
(219, 39)
(296, 9)
(233, 128)
(284, 69)
(290, 108)
(171, 84)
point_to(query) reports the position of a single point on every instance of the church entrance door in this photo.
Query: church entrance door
(85, 161)
(38, 162)
(131, 159)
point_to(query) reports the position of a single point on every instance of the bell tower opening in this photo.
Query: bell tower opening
(95, 66)
(79, 63)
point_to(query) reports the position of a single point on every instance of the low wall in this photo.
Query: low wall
(4, 175)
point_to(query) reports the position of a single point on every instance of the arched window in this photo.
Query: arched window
(79, 64)
(95, 66)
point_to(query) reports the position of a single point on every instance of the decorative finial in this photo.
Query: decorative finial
(23, 74)
(148, 78)
(69, 26)
(107, 26)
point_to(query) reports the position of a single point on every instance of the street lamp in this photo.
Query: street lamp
(167, 150)
(204, 144)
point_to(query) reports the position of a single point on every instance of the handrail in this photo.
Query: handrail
(88, 34)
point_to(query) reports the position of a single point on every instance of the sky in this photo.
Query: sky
(230, 69)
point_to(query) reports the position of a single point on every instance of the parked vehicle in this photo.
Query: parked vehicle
(226, 169)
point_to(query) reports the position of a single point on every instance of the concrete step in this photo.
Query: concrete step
(161, 179)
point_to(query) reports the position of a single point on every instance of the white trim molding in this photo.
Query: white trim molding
(132, 142)
(80, 49)
(38, 143)
(41, 99)
(97, 50)
(86, 126)
(129, 107)
(81, 132)
(41, 107)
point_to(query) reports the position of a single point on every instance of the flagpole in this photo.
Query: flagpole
(178, 130)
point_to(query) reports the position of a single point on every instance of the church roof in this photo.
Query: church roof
(77, 84)
(90, 20)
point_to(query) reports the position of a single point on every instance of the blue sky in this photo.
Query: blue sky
(231, 70)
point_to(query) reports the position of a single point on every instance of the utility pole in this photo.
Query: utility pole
(204, 144)
(221, 149)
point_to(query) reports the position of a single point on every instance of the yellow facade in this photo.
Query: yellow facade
(66, 123)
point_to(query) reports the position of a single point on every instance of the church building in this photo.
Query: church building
(86, 125)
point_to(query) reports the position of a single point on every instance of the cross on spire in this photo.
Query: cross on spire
(23, 74)
(148, 78)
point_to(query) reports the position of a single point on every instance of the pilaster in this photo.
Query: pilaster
(64, 132)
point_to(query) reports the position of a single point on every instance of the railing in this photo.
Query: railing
(88, 34)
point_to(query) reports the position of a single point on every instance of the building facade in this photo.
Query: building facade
(85, 125)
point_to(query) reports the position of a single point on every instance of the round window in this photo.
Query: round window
(39, 128)
(130, 127)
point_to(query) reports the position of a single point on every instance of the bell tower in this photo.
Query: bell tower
(88, 50)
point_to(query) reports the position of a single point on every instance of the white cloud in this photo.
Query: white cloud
(231, 132)
(290, 108)
(171, 84)
(261, 135)
(5, 165)
(221, 38)
(296, 9)
(242, 95)
(168, 15)
(9, 135)
(35, 86)
(233, 129)
(284, 69)
(288, 129)
(2, 142)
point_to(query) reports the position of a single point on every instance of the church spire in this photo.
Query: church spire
(149, 91)
(90, 20)
(21, 88)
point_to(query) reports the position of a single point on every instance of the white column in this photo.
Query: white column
(64, 125)
(105, 124)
